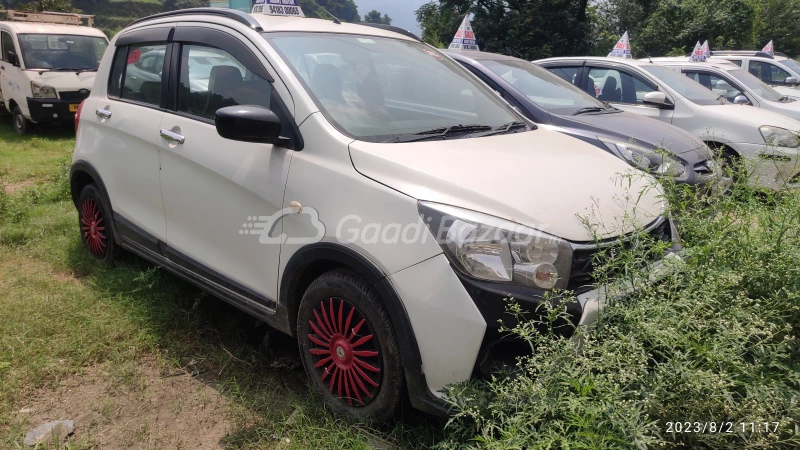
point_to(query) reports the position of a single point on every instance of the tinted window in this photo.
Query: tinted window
(211, 79)
(544, 88)
(738, 62)
(569, 74)
(139, 67)
(694, 92)
(7, 45)
(716, 84)
(768, 73)
(612, 85)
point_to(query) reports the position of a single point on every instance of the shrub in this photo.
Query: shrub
(713, 341)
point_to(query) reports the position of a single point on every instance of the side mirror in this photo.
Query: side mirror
(741, 100)
(249, 123)
(792, 81)
(11, 57)
(658, 99)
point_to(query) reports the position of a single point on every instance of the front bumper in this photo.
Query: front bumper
(771, 167)
(47, 110)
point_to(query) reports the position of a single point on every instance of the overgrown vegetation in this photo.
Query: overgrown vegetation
(712, 346)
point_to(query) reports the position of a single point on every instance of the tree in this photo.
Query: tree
(172, 5)
(374, 16)
(438, 23)
(528, 29)
(49, 5)
(344, 10)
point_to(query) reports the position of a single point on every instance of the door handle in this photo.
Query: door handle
(172, 137)
(103, 113)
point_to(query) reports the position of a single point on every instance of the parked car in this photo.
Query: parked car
(297, 190)
(46, 69)
(776, 70)
(550, 101)
(735, 84)
(769, 140)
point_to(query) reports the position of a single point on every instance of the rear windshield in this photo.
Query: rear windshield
(692, 91)
(62, 51)
(376, 89)
(542, 87)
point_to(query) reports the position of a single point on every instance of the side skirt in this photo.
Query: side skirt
(141, 243)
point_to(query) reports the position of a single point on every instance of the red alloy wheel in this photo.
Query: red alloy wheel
(343, 354)
(93, 228)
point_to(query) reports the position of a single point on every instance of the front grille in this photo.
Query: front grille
(73, 96)
(585, 259)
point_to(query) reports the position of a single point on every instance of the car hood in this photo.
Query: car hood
(542, 179)
(628, 127)
(64, 81)
(791, 91)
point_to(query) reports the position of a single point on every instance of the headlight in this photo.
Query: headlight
(42, 90)
(780, 137)
(647, 160)
(489, 248)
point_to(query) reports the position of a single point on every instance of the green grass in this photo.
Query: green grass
(62, 314)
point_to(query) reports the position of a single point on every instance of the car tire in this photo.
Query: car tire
(349, 349)
(21, 124)
(96, 227)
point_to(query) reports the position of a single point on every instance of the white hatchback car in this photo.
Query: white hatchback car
(778, 70)
(735, 84)
(768, 140)
(350, 186)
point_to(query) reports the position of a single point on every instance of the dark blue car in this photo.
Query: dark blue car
(552, 102)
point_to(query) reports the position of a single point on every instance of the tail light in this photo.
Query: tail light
(78, 115)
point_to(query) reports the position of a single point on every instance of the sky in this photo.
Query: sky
(401, 11)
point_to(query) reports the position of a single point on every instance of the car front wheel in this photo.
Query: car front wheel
(349, 348)
(21, 124)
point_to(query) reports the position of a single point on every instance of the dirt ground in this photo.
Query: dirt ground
(152, 410)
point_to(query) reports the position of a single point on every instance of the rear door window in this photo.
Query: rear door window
(613, 85)
(137, 73)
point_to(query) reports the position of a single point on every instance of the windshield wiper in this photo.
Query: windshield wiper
(505, 128)
(588, 109)
(440, 132)
(786, 99)
(64, 69)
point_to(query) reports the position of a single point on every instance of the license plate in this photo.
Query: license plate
(73, 108)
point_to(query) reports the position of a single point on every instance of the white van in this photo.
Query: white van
(48, 62)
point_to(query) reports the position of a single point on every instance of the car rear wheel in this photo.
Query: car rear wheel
(95, 225)
(21, 124)
(349, 348)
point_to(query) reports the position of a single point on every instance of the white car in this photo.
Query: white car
(353, 188)
(778, 70)
(766, 139)
(47, 69)
(735, 84)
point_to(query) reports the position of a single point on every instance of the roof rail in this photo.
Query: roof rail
(392, 28)
(758, 53)
(781, 54)
(236, 15)
(48, 17)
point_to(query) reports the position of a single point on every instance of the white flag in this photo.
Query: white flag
(464, 38)
(769, 48)
(697, 53)
(622, 49)
(706, 49)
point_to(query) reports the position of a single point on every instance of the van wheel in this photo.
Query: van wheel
(21, 124)
(96, 228)
(349, 349)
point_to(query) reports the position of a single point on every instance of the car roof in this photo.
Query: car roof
(685, 62)
(46, 28)
(274, 24)
(628, 61)
(478, 56)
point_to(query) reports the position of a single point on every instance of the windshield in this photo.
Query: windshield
(694, 92)
(62, 51)
(759, 87)
(547, 90)
(376, 89)
(792, 64)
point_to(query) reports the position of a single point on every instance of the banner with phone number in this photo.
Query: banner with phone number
(278, 8)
